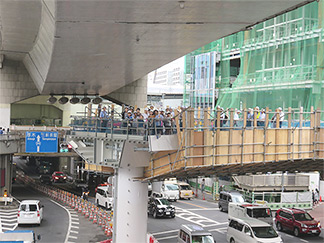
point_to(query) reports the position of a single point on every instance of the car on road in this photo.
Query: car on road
(194, 234)
(104, 197)
(248, 210)
(160, 207)
(30, 212)
(250, 230)
(225, 197)
(185, 191)
(58, 176)
(298, 221)
(45, 179)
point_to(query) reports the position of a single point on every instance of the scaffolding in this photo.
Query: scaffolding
(277, 63)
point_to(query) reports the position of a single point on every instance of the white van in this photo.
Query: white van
(104, 197)
(192, 233)
(165, 189)
(250, 230)
(185, 190)
(248, 210)
(30, 212)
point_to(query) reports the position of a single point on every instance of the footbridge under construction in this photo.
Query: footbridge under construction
(200, 143)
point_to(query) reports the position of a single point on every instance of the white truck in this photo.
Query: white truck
(166, 189)
(246, 210)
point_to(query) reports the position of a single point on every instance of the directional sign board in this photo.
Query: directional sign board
(41, 142)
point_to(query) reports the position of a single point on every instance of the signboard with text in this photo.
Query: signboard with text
(41, 142)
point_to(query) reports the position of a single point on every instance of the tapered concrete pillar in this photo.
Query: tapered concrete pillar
(130, 215)
(130, 208)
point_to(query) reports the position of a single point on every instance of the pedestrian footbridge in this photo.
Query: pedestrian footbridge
(199, 142)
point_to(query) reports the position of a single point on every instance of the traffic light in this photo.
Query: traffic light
(5, 193)
(64, 148)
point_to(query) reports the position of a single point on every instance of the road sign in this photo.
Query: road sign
(41, 142)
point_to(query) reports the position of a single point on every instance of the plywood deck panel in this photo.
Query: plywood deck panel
(248, 149)
(208, 150)
(321, 145)
(223, 150)
(282, 141)
(258, 138)
(270, 141)
(198, 140)
(295, 139)
(236, 149)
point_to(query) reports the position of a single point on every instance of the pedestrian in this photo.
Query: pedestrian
(1, 131)
(237, 118)
(103, 118)
(202, 185)
(249, 117)
(261, 119)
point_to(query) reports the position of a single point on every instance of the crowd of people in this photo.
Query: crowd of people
(256, 113)
(154, 121)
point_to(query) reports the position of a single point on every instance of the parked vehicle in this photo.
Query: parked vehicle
(297, 221)
(30, 212)
(185, 191)
(160, 207)
(58, 176)
(226, 197)
(104, 197)
(45, 179)
(244, 210)
(194, 233)
(250, 230)
(25, 236)
(166, 189)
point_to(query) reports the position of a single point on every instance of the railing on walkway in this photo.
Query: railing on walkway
(138, 127)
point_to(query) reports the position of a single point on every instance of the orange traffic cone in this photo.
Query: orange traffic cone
(95, 219)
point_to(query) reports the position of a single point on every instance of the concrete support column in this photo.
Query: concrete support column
(5, 115)
(64, 164)
(6, 166)
(130, 209)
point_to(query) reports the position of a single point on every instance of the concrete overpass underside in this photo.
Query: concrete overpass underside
(99, 46)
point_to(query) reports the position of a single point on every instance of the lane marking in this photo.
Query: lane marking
(74, 232)
(73, 237)
(192, 204)
(75, 222)
(303, 240)
(164, 232)
(195, 218)
(69, 229)
(9, 210)
(167, 237)
(76, 227)
(7, 228)
(203, 209)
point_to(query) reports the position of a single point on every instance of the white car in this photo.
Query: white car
(250, 230)
(104, 197)
(30, 212)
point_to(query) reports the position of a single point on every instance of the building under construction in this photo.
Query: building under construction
(275, 63)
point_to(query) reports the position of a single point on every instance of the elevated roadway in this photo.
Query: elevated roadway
(99, 46)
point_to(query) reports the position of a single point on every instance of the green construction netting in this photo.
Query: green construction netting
(278, 63)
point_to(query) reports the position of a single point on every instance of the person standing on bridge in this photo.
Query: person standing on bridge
(103, 118)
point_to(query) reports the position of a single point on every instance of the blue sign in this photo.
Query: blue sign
(41, 142)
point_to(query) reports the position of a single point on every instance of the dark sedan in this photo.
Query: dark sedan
(160, 207)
